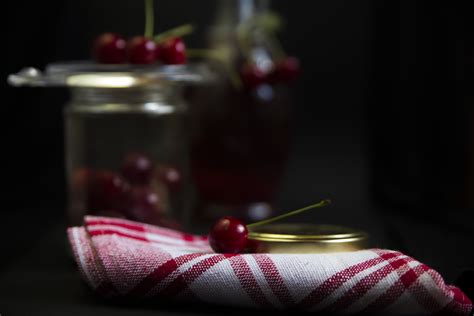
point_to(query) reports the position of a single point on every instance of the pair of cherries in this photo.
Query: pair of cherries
(284, 71)
(230, 235)
(111, 48)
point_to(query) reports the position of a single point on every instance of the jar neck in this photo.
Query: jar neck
(223, 35)
(93, 96)
(232, 12)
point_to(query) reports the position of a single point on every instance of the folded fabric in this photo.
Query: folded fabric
(127, 259)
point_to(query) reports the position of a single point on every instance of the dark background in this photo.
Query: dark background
(383, 115)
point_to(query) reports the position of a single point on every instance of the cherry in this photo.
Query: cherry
(170, 176)
(251, 76)
(285, 70)
(141, 50)
(108, 190)
(109, 48)
(137, 168)
(143, 205)
(228, 235)
(172, 51)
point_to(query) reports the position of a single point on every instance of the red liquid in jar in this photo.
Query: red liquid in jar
(239, 148)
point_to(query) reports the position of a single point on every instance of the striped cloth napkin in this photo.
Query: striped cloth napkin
(127, 259)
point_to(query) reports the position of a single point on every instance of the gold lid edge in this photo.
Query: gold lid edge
(307, 238)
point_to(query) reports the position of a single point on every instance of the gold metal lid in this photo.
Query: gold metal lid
(305, 238)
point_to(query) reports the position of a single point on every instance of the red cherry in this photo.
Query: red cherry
(137, 168)
(107, 191)
(173, 51)
(285, 70)
(141, 50)
(228, 235)
(143, 205)
(109, 48)
(251, 76)
(170, 176)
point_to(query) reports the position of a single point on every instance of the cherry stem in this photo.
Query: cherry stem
(298, 211)
(244, 41)
(149, 18)
(220, 57)
(204, 53)
(179, 31)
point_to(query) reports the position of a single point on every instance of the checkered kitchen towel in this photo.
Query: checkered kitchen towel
(127, 259)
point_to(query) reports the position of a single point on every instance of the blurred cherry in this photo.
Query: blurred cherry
(251, 76)
(172, 51)
(170, 176)
(141, 50)
(137, 168)
(109, 48)
(143, 205)
(108, 190)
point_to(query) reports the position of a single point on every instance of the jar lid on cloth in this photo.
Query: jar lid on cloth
(92, 75)
(305, 238)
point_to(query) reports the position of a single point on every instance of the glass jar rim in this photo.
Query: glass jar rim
(92, 75)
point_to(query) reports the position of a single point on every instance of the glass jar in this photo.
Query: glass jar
(125, 139)
(126, 153)
(241, 136)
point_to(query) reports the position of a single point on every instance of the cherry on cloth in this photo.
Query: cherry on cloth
(228, 235)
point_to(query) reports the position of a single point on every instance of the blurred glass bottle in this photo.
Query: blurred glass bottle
(240, 137)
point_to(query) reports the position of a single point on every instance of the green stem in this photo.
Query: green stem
(220, 57)
(244, 41)
(202, 53)
(179, 31)
(298, 211)
(149, 18)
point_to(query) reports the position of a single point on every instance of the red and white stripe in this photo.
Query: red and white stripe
(122, 258)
